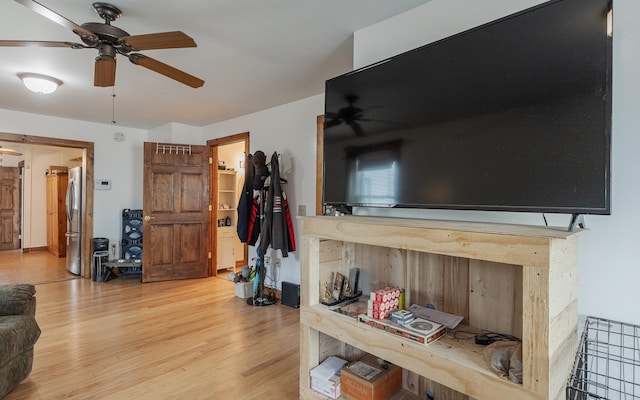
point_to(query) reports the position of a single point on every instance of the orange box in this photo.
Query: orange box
(366, 379)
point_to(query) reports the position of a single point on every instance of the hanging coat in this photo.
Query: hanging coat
(255, 221)
(277, 228)
(246, 202)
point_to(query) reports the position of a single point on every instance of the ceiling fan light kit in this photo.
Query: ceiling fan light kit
(110, 41)
(38, 83)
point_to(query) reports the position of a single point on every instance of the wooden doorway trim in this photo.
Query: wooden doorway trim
(87, 183)
(319, 158)
(20, 200)
(213, 184)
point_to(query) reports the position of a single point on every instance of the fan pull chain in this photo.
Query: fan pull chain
(113, 104)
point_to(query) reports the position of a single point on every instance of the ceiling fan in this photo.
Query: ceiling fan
(110, 41)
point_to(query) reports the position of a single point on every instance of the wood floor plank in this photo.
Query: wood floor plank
(190, 339)
(32, 267)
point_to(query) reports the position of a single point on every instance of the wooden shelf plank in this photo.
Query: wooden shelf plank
(511, 244)
(457, 365)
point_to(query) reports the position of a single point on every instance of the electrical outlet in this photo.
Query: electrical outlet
(302, 210)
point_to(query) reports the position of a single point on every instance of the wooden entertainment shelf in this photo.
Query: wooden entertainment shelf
(512, 279)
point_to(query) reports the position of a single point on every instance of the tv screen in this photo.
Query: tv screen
(514, 115)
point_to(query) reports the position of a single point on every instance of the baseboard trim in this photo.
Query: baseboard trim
(34, 249)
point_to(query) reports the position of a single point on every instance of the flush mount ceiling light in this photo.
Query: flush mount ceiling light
(9, 152)
(41, 84)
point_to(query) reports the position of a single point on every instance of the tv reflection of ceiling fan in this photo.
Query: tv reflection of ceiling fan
(352, 116)
(110, 40)
(349, 115)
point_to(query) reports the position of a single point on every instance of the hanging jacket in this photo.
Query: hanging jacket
(246, 202)
(255, 222)
(277, 229)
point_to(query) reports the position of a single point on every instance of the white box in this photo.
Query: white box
(325, 378)
(327, 387)
(243, 290)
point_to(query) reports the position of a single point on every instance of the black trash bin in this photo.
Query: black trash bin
(100, 252)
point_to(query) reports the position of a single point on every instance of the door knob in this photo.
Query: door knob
(148, 218)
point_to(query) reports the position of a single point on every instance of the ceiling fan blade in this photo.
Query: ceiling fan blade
(34, 43)
(166, 70)
(163, 40)
(57, 18)
(382, 121)
(105, 72)
(357, 129)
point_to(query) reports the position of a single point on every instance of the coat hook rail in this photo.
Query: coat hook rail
(168, 148)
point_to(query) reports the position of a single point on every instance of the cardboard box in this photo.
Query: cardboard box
(244, 290)
(367, 379)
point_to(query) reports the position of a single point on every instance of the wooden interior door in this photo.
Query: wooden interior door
(175, 212)
(9, 208)
(57, 214)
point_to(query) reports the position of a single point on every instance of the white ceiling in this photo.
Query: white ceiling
(252, 55)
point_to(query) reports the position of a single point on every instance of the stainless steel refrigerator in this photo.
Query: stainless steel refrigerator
(74, 215)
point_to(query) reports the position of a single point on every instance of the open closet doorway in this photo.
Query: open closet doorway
(228, 155)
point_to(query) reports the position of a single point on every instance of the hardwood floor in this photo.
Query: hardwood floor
(33, 267)
(190, 339)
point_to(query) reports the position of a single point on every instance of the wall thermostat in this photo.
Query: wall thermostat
(102, 184)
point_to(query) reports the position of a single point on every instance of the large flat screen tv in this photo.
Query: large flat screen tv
(514, 115)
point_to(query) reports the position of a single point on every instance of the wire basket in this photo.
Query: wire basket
(607, 364)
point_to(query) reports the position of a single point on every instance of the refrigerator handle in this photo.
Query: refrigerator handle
(70, 190)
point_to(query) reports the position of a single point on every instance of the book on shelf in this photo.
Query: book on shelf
(418, 330)
(352, 308)
(450, 320)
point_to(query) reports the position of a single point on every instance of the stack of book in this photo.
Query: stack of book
(417, 330)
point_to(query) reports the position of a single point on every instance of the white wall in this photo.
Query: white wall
(432, 21)
(35, 182)
(176, 133)
(121, 162)
(608, 255)
(289, 130)
(231, 154)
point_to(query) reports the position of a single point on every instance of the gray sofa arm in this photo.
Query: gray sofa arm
(18, 299)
